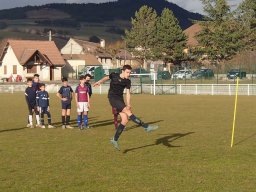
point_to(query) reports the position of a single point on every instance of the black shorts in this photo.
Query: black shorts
(66, 105)
(32, 106)
(117, 103)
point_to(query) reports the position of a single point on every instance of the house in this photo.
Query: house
(77, 46)
(27, 57)
(124, 57)
(77, 63)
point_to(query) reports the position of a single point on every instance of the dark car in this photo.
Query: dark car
(203, 73)
(164, 75)
(234, 73)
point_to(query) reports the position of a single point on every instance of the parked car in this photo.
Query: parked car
(182, 74)
(233, 73)
(203, 73)
(164, 75)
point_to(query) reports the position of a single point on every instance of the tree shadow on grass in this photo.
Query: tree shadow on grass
(16, 129)
(247, 138)
(166, 141)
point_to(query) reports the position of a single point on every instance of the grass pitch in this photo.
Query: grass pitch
(190, 152)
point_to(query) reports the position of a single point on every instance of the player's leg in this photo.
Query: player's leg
(30, 117)
(63, 116)
(68, 118)
(37, 116)
(86, 109)
(119, 130)
(42, 112)
(49, 119)
(79, 115)
(115, 113)
(136, 120)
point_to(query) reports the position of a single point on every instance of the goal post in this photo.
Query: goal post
(152, 76)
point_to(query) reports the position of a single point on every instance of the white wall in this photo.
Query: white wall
(10, 60)
(57, 73)
(72, 67)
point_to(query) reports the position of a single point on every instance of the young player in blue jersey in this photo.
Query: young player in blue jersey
(42, 98)
(30, 96)
(65, 94)
(119, 82)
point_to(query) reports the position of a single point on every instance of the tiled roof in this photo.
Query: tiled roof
(25, 48)
(124, 54)
(88, 58)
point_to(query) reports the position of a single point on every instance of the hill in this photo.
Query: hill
(107, 20)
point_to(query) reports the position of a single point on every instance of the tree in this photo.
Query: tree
(171, 41)
(222, 36)
(141, 38)
(246, 14)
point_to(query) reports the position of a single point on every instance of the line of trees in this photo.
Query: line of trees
(224, 33)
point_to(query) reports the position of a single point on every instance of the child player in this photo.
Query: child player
(65, 94)
(30, 95)
(42, 97)
(119, 82)
(82, 102)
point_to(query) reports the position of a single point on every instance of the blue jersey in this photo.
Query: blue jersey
(30, 96)
(66, 92)
(35, 86)
(42, 98)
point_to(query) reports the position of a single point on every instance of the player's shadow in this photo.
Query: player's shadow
(136, 126)
(247, 138)
(166, 141)
(73, 121)
(102, 123)
(16, 129)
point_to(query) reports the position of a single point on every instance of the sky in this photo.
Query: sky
(190, 5)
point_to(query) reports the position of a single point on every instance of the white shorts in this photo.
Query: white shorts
(83, 107)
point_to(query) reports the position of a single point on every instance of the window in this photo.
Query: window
(5, 69)
(31, 69)
(14, 69)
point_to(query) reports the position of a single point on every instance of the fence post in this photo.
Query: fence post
(180, 89)
(151, 89)
(248, 89)
(229, 89)
(212, 90)
(196, 89)
(100, 90)
(138, 90)
(12, 88)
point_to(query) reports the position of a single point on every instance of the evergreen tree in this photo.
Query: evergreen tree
(141, 38)
(222, 36)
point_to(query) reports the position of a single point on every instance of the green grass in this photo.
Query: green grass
(190, 152)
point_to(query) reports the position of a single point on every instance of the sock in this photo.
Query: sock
(79, 120)
(63, 119)
(116, 121)
(67, 119)
(30, 119)
(119, 132)
(138, 121)
(85, 120)
(42, 119)
(37, 120)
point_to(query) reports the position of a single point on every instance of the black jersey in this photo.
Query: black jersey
(30, 95)
(117, 85)
(66, 92)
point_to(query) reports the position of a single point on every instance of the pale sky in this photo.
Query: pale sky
(190, 5)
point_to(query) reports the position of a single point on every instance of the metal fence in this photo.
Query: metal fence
(160, 89)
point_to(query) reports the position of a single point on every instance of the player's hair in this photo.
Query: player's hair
(29, 80)
(81, 77)
(64, 79)
(42, 85)
(87, 75)
(36, 75)
(129, 67)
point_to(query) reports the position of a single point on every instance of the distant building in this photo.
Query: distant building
(27, 57)
(124, 57)
(81, 47)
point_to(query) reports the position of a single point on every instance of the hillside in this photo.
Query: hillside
(107, 20)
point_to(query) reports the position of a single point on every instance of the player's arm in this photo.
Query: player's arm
(106, 78)
(48, 103)
(26, 96)
(88, 96)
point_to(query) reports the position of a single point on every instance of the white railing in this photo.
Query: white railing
(182, 89)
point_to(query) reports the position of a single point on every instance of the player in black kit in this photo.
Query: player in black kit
(119, 82)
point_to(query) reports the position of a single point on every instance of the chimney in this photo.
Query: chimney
(102, 43)
(50, 35)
